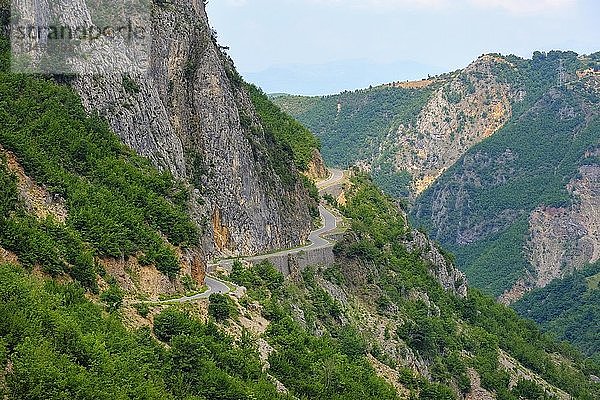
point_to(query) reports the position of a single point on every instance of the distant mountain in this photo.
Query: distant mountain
(499, 160)
(319, 79)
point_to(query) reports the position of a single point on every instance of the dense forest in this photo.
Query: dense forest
(568, 308)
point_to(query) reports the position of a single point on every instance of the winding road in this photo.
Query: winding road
(214, 286)
(316, 238)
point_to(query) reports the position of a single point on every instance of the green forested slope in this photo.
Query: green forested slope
(528, 163)
(382, 281)
(569, 308)
(61, 346)
(118, 205)
(365, 119)
(476, 325)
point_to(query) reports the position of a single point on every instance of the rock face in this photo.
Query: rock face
(35, 198)
(316, 168)
(562, 239)
(441, 268)
(460, 114)
(189, 115)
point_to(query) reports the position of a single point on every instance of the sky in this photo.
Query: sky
(326, 46)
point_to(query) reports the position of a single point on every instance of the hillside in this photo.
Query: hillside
(378, 324)
(500, 164)
(571, 317)
(357, 128)
(518, 209)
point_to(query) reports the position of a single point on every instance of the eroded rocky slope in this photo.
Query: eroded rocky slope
(521, 208)
(472, 106)
(562, 239)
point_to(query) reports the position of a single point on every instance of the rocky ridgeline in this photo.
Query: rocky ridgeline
(443, 269)
(472, 106)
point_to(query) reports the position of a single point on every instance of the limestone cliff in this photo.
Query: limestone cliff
(563, 238)
(189, 114)
(472, 106)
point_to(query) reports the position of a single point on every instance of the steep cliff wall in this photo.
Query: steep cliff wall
(317, 169)
(189, 114)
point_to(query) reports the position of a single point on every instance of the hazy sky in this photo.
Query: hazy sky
(269, 39)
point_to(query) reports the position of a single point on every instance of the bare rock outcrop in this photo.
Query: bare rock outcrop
(443, 269)
(317, 169)
(563, 239)
(461, 113)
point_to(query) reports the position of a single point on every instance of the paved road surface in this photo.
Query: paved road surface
(315, 237)
(329, 224)
(337, 175)
(214, 286)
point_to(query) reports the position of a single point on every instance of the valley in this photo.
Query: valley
(474, 153)
(172, 233)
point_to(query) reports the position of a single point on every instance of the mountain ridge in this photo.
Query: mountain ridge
(412, 148)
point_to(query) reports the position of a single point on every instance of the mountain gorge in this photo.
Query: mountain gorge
(498, 161)
(118, 190)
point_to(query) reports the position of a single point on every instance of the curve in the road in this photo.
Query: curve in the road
(214, 286)
(336, 177)
(317, 241)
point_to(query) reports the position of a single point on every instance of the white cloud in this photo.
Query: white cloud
(519, 7)
(526, 6)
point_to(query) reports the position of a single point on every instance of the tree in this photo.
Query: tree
(220, 307)
(112, 297)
